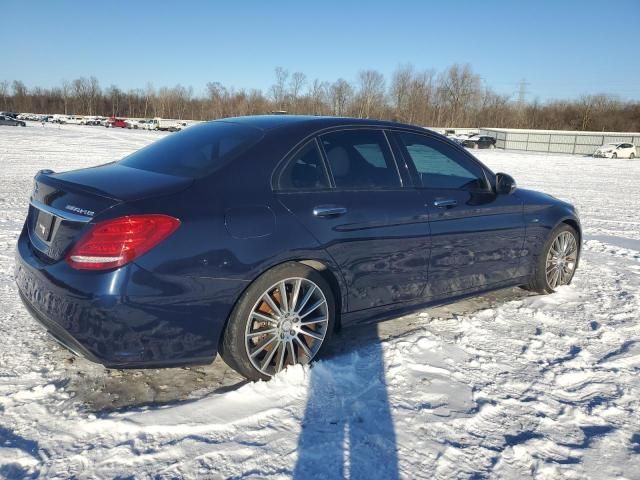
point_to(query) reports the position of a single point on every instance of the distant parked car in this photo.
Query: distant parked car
(116, 122)
(9, 114)
(167, 124)
(4, 120)
(479, 141)
(616, 150)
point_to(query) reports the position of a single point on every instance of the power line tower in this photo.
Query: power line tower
(522, 91)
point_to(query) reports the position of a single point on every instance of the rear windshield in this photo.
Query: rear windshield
(195, 151)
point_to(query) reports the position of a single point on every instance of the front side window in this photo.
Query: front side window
(360, 159)
(439, 165)
(305, 170)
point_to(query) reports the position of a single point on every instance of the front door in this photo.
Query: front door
(477, 236)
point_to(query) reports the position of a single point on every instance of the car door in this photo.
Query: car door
(347, 191)
(477, 236)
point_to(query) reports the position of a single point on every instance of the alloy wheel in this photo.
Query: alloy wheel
(561, 259)
(287, 325)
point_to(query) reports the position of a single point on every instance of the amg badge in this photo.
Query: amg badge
(81, 211)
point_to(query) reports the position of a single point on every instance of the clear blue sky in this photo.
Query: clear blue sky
(561, 48)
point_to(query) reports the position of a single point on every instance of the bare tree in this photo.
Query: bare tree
(370, 96)
(298, 79)
(459, 88)
(279, 89)
(4, 94)
(341, 93)
(66, 94)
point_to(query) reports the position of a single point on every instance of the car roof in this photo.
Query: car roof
(269, 122)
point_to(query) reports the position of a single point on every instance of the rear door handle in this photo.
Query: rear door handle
(445, 203)
(329, 210)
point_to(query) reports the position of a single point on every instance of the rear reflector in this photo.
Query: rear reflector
(113, 243)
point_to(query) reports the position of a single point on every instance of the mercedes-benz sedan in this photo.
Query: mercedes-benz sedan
(257, 237)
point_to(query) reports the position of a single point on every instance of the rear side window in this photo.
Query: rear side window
(196, 151)
(305, 170)
(438, 165)
(360, 159)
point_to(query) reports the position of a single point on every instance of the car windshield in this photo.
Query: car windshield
(196, 151)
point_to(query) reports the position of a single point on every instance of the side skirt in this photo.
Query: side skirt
(386, 312)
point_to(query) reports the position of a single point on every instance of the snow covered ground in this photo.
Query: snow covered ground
(508, 385)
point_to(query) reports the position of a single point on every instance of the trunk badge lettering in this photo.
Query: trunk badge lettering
(81, 211)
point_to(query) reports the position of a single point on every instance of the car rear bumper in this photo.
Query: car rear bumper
(128, 317)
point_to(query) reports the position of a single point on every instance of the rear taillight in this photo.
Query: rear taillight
(113, 243)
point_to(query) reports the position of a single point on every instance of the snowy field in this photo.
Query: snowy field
(509, 385)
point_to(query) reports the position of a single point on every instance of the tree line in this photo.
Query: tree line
(455, 97)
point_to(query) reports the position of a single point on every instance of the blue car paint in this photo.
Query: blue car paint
(391, 253)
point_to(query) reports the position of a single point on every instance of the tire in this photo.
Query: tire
(242, 333)
(615, 155)
(632, 156)
(543, 283)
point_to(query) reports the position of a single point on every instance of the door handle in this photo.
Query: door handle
(329, 211)
(445, 203)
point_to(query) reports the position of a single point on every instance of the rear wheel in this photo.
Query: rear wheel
(284, 318)
(558, 260)
(632, 156)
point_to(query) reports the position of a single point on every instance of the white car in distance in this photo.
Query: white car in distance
(616, 150)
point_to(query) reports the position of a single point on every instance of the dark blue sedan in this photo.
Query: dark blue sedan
(257, 237)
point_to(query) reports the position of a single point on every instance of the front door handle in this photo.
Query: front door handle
(445, 203)
(329, 210)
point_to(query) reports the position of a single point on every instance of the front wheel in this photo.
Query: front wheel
(558, 260)
(284, 318)
(615, 155)
(632, 156)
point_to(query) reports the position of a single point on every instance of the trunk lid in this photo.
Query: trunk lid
(62, 204)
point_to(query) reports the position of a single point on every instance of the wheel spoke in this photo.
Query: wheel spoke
(263, 317)
(313, 307)
(268, 358)
(304, 347)
(256, 352)
(267, 298)
(311, 334)
(313, 322)
(283, 296)
(281, 356)
(295, 293)
(257, 333)
(306, 298)
(292, 352)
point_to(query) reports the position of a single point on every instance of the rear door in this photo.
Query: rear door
(346, 189)
(477, 236)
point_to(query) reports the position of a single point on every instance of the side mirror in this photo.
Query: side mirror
(505, 184)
